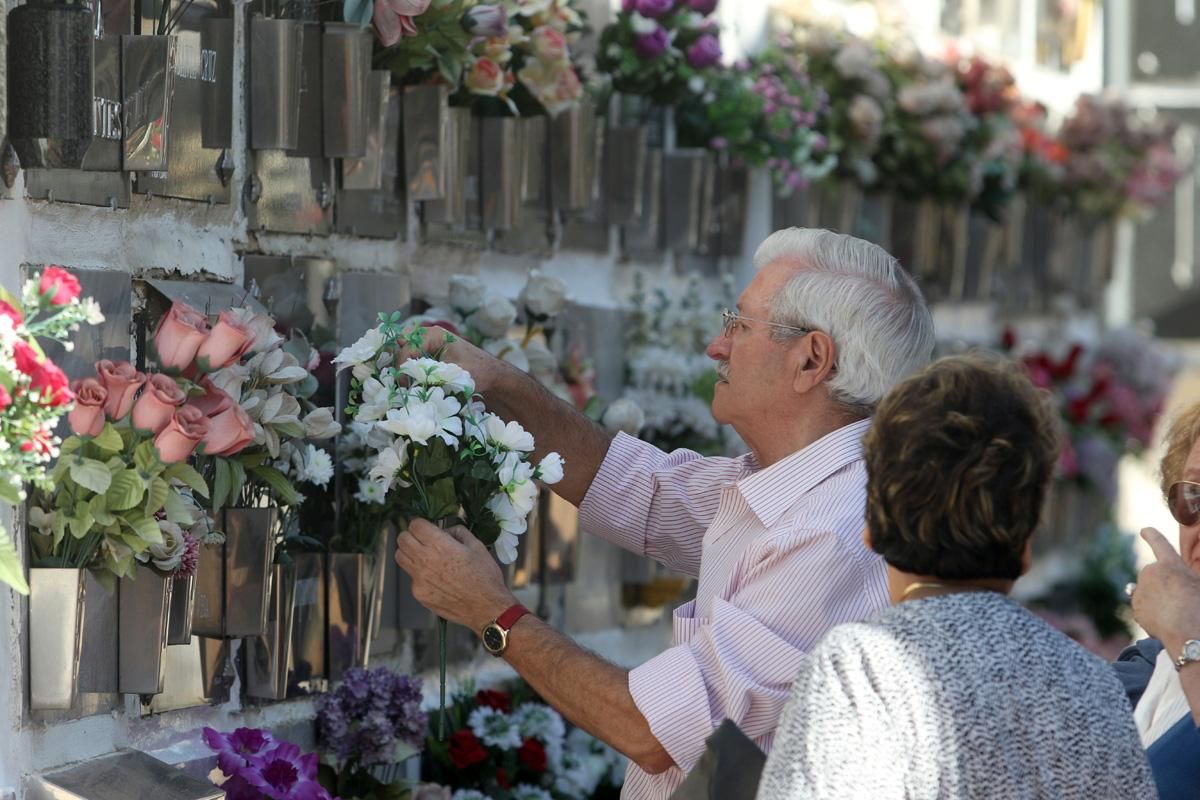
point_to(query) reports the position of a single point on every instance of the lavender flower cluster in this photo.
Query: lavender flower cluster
(369, 714)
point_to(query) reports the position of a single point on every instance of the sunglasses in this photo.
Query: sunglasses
(1183, 499)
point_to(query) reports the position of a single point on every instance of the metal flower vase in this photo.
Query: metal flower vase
(623, 168)
(501, 170)
(269, 655)
(345, 67)
(727, 220)
(50, 72)
(684, 195)
(145, 605)
(453, 163)
(148, 85)
(874, 221)
(183, 607)
(355, 599)
(573, 151)
(233, 580)
(930, 240)
(274, 88)
(430, 142)
(56, 617)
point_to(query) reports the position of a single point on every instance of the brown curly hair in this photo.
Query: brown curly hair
(1181, 437)
(958, 462)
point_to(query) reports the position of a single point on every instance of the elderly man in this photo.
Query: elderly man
(828, 324)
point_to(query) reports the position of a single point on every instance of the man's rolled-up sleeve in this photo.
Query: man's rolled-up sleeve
(740, 663)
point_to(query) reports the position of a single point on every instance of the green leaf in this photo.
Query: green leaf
(189, 477)
(12, 571)
(434, 460)
(145, 457)
(145, 527)
(81, 523)
(443, 502)
(126, 491)
(273, 478)
(136, 543)
(177, 510)
(156, 495)
(69, 445)
(9, 493)
(293, 430)
(98, 506)
(109, 440)
(237, 478)
(91, 474)
(221, 484)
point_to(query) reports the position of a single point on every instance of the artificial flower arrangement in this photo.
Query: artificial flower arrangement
(435, 448)
(1109, 393)
(33, 390)
(763, 112)
(252, 764)
(663, 50)
(1043, 156)
(372, 721)
(508, 745)
(669, 376)
(1119, 162)
(849, 71)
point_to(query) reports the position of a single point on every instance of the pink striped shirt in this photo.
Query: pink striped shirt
(780, 559)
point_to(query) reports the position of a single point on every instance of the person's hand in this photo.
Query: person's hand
(453, 574)
(1166, 600)
(447, 346)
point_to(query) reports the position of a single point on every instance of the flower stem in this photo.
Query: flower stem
(442, 676)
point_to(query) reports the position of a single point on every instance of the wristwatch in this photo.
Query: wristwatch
(1190, 654)
(495, 634)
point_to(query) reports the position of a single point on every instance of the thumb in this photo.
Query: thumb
(1163, 551)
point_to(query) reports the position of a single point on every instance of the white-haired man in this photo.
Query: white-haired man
(828, 324)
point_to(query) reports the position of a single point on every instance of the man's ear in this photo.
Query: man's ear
(814, 360)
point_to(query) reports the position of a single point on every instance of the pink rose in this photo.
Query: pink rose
(60, 286)
(486, 78)
(214, 401)
(179, 335)
(229, 432)
(122, 382)
(183, 433)
(226, 343)
(549, 45)
(87, 417)
(156, 406)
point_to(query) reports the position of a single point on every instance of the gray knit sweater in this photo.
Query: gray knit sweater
(955, 696)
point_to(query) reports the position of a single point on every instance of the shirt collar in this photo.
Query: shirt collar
(771, 491)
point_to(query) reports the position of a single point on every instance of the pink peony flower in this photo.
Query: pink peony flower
(183, 434)
(155, 408)
(87, 417)
(179, 335)
(122, 382)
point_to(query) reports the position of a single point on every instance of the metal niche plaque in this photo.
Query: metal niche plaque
(274, 85)
(148, 70)
(200, 112)
(379, 212)
(345, 67)
(290, 195)
(309, 136)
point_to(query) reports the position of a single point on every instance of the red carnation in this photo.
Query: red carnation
(502, 778)
(5, 398)
(52, 384)
(532, 755)
(500, 701)
(28, 360)
(466, 750)
(59, 285)
(7, 310)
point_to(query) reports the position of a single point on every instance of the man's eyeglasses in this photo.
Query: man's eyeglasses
(731, 318)
(1183, 499)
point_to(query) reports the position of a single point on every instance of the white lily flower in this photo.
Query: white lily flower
(363, 350)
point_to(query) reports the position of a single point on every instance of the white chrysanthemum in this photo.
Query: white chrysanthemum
(494, 728)
(363, 350)
(316, 466)
(541, 722)
(370, 492)
(431, 372)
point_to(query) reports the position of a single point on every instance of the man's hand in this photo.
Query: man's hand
(484, 367)
(1166, 601)
(453, 574)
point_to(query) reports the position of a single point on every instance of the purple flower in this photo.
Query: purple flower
(654, 8)
(705, 7)
(235, 750)
(368, 713)
(718, 143)
(652, 45)
(285, 774)
(486, 21)
(628, 6)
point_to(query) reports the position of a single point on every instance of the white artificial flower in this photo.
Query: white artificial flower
(263, 336)
(167, 555)
(388, 464)
(524, 791)
(362, 371)
(541, 360)
(623, 415)
(506, 437)
(494, 317)
(494, 728)
(550, 469)
(42, 520)
(370, 492)
(508, 351)
(466, 293)
(544, 296)
(363, 350)
(231, 379)
(506, 547)
(431, 372)
(376, 399)
(416, 422)
(507, 516)
(315, 467)
(539, 721)
(320, 424)
(92, 309)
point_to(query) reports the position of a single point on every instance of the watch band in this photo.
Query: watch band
(511, 615)
(1189, 655)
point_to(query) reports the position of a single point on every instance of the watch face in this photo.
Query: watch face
(493, 638)
(1191, 650)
